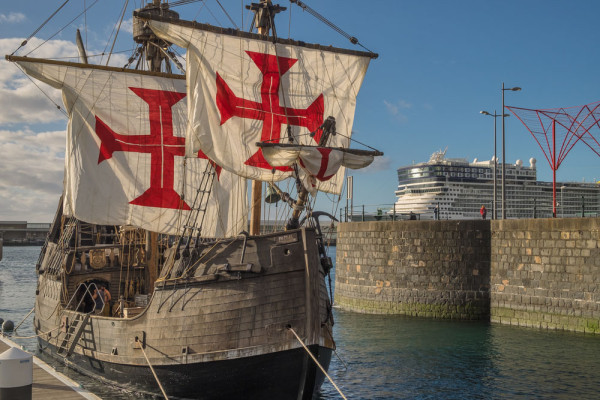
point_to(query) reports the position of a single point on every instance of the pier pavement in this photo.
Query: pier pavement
(49, 384)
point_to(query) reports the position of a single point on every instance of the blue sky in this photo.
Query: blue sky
(440, 63)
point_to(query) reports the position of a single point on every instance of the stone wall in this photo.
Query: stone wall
(536, 272)
(421, 268)
(546, 273)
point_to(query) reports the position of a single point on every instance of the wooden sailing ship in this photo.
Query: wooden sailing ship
(199, 308)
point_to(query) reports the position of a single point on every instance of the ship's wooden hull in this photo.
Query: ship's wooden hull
(283, 375)
(223, 335)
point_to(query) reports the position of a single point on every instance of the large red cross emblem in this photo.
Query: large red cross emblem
(161, 144)
(269, 110)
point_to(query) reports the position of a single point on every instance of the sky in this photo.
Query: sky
(440, 63)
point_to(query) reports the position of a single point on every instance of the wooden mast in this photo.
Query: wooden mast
(156, 59)
(264, 12)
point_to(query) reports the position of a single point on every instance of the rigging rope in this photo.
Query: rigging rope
(117, 33)
(228, 16)
(327, 22)
(40, 27)
(60, 30)
(44, 93)
(34, 336)
(151, 368)
(317, 362)
(183, 2)
(23, 320)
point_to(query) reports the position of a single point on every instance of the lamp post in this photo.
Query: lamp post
(562, 202)
(514, 89)
(494, 201)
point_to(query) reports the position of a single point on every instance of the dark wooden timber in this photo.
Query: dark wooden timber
(92, 66)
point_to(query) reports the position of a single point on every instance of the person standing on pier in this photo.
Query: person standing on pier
(483, 212)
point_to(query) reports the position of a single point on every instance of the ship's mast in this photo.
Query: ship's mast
(155, 51)
(264, 14)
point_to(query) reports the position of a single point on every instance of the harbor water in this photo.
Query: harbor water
(395, 357)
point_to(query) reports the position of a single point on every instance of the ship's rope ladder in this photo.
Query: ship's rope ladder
(57, 257)
(192, 229)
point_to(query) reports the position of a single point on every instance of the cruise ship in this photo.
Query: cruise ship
(453, 188)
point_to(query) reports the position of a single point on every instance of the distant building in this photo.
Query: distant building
(23, 233)
(456, 189)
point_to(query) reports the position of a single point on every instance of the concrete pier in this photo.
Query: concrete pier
(542, 273)
(49, 384)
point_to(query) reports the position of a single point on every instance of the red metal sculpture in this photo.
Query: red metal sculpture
(567, 126)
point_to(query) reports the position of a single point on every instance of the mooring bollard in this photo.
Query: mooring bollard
(16, 375)
(7, 326)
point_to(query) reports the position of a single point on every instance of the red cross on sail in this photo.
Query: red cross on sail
(243, 89)
(161, 144)
(125, 159)
(269, 110)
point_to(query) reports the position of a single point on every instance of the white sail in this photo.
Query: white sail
(318, 164)
(243, 90)
(125, 158)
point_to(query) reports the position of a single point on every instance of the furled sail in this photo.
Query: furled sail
(125, 158)
(317, 163)
(243, 89)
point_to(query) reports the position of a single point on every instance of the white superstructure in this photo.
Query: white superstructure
(459, 188)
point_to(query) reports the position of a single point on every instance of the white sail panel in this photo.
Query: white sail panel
(242, 90)
(319, 164)
(125, 158)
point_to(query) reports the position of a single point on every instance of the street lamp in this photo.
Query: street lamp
(562, 201)
(494, 205)
(514, 89)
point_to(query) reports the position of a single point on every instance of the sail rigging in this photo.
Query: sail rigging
(125, 161)
(243, 88)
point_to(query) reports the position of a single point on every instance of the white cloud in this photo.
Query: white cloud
(12, 18)
(25, 103)
(23, 100)
(32, 174)
(35, 47)
(127, 26)
(394, 109)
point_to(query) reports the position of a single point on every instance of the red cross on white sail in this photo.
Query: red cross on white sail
(251, 90)
(125, 158)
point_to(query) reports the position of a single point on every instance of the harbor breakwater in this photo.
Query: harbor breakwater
(531, 272)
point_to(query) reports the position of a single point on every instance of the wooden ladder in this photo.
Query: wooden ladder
(74, 331)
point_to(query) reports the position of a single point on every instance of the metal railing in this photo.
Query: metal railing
(86, 292)
(389, 212)
(375, 212)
